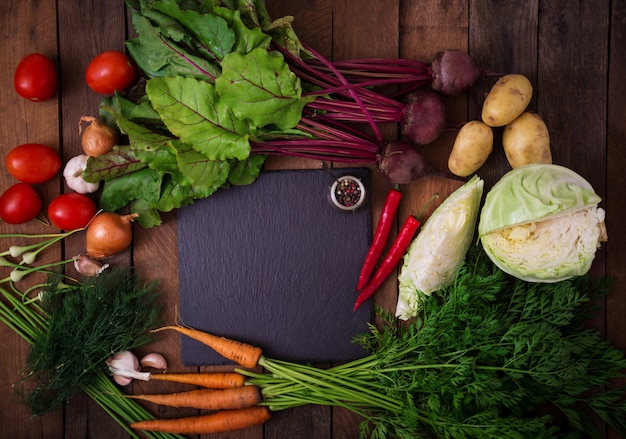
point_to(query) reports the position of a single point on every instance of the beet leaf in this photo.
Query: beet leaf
(193, 111)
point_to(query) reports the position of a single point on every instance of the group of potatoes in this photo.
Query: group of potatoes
(525, 136)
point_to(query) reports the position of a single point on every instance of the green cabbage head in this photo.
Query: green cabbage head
(542, 223)
(435, 255)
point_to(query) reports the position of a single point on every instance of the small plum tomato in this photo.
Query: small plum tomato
(20, 203)
(33, 163)
(71, 211)
(35, 77)
(110, 71)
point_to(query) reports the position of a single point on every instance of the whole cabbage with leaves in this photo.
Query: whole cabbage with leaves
(542, 223)
(435, 255)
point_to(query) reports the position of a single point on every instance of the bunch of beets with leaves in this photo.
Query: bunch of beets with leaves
(224, 86)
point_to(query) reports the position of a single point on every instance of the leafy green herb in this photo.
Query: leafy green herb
(484, 358)
(87, 323)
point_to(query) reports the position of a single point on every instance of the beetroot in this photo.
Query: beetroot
(424, 118)
(454, 72)
(401, 163)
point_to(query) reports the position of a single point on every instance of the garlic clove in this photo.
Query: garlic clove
(123, 360)
(155, 361)
(125, 364)
(122, 381)
(88, 266)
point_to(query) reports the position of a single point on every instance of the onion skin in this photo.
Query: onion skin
(108, 234)
(98, 138)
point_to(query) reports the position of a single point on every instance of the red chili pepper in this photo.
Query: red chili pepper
(396, 252)
(383, 229)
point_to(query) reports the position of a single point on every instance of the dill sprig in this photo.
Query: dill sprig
(489, 356)
(87, 323)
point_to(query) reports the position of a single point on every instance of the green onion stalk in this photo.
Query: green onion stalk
(29, 319)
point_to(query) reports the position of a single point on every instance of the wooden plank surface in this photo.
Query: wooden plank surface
(573, 52)
(107, 31)
(615, 180)
(25, 122)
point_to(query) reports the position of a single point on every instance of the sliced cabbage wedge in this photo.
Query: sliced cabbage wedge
(541, 223)
(435, 255)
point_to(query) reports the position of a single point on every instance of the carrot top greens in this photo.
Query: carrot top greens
(484, 358)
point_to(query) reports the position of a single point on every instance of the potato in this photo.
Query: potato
(507, 99)
(472, 146)
(526, 140)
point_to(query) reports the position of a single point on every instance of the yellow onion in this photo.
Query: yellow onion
(98, 138)
(108, 234)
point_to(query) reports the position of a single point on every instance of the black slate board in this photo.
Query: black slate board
(274, 264)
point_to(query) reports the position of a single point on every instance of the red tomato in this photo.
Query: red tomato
(19, 204)
(33, 162)
(35, 77)
(71, 211)
(110, 71)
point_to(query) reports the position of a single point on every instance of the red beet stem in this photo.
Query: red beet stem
(349, 111)
(352, 92)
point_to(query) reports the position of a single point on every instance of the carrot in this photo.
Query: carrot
(214, 380)
(241, 353)
(381, 235)
(207, 399)
(225, 420)
(397, 250)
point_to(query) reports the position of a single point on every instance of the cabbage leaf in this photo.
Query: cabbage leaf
(438, 251)
(532, 192)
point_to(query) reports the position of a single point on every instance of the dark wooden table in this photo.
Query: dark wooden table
(573, 52)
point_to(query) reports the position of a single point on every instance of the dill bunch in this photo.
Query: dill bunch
(490, 356)
(87, 323)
